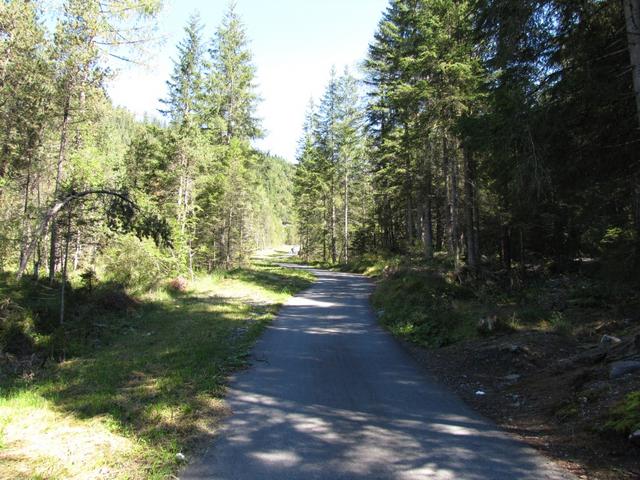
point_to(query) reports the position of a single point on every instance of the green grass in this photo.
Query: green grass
(156, 380)
(423, 302)
(422, 307)
(624, 418)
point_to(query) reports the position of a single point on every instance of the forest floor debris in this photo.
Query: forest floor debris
(556, 361)
(562, 411)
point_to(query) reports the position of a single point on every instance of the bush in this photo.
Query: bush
(137, 265)
(624, 418)
(16, 329)
(560, 323)
(418, 307)
(616, 247)
(178, 284)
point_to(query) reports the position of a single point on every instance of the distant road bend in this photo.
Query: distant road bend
(332, 396)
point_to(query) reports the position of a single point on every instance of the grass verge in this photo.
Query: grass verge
(151, 386)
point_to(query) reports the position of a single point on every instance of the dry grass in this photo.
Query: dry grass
(40, 442)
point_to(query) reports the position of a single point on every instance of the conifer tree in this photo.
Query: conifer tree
(185, 86)
(230, 85)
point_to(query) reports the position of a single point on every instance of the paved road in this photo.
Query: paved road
(331, 396)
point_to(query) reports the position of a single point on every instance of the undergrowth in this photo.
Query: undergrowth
(624, 418)
(431, 304)
(418, 306)
(146, 380)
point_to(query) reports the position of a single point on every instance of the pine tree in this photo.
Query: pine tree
(186, 84)
(230, 84)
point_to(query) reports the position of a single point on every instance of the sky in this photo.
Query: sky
(294, 44)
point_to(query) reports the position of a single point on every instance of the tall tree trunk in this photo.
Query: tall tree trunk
(332, 226)
(325, 230)
(506, 246)
(427, 229)
(476, 214)
(469, 224)
(241, 237)
(346, 216)
(408, 202)
(4, 160)
(62, 152)
(38, 259)
(77, 252)
(427, 220)
(455, 221)
(632, 16)
(26, 224)
(409, 221)
(228, 245)
(451, 182)
(523, 266)
(439, 234)
(63, 286)
(64, 265)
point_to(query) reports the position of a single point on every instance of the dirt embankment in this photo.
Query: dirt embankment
(555, 392)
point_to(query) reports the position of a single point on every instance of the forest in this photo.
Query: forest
(484, 153)
(495, 133)
(83, 182)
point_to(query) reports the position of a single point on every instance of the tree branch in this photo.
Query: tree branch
(51, 213)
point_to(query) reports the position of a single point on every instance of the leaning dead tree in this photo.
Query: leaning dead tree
(51, 213)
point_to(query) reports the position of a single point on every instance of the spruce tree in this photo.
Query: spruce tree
(186, 83)
(230, 85)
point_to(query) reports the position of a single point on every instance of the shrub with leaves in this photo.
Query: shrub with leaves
(16, 328)
(137, 265)
(624, 418)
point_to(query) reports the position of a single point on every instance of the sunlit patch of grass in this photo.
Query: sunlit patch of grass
(153, 388)
(41, 442)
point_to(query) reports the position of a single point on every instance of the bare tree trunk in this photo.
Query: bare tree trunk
(228, 254)
(439, 236)
(451, 182)
(64, 265)
(346, 216)
(26, 224)
(4, 162)
(476, 216)
(409, 221)
(332, 226)
(77, 252)
(523, 266)
(469, 224)
(446, 175)
(241, 237)
(427, 220)
(50, 215)
(506, 246)
(632, 17)
(409, 203)
(325, 230)
(427, 229)
(455, 222)
(62, 152)
(38, 260)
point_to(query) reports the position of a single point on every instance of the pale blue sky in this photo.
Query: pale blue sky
(294, 43)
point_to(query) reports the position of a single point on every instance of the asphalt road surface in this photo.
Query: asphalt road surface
(332, 396)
